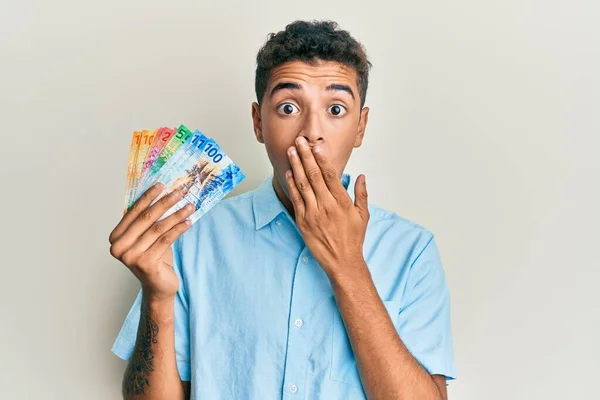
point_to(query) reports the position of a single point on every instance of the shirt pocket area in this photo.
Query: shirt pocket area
(343, 363)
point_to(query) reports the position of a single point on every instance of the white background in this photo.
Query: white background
(484, 128)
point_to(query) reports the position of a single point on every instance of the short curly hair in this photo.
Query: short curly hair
(311, 42)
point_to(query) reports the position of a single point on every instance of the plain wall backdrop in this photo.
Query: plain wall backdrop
(484, 128)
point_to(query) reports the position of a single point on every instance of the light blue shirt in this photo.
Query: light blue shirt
(255, 315)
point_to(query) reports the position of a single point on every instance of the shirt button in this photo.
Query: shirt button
(278, 223)
(304, 260)
(293, 389)
(298, 322)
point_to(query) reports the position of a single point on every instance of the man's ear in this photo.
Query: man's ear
(257, 122)
(362, 126)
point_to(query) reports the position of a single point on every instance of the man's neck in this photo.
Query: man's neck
(287, 203)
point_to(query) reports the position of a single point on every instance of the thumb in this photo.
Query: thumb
(360, 196)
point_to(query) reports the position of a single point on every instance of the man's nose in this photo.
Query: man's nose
(312, 130)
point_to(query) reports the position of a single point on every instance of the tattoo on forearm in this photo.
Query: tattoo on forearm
(142, 359)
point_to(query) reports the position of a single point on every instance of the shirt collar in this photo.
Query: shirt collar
(266, 204)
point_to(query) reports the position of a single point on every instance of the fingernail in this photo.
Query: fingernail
(292, 151)
(316, 149)
(158, 185)
(189, 207)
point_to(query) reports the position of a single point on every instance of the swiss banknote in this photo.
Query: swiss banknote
(180, 159)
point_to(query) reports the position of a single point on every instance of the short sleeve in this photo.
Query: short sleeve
(424, 317)
(125, 341)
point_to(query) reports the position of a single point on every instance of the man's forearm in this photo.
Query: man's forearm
(152, 370)
(386, 367)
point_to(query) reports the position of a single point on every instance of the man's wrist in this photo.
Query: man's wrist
(161, 308)
(349, 273)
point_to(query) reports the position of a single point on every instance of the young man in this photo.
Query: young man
(300, 288)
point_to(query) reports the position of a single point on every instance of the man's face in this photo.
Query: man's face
(320, 103)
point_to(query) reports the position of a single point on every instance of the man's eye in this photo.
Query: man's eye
(287, 108)
(337, 110)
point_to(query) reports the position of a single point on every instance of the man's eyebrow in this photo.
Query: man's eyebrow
(336, 86)
(285, 85)
(295, 86)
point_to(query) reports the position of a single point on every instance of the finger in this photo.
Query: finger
(360, 196)
(143, 221)
(312, 170)
(141, 204)
(164, 241)
(300, 179)
(295, 196)
(161, 227)
(329, 173)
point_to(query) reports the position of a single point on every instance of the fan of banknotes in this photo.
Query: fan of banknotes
(181, 160)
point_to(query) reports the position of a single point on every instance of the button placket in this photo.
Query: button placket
(297, 353)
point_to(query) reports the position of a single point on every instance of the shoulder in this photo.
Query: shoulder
(410, 254)
(232, 215)
(392, 231)
(382, 218)
(238, 206)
